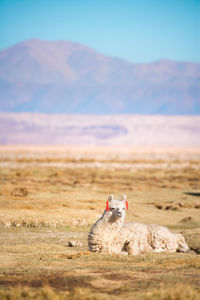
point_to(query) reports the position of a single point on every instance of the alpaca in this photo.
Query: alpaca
(110, 235)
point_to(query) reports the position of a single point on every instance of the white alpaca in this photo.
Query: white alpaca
(110, 235)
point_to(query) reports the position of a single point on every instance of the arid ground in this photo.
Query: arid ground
(50, 196)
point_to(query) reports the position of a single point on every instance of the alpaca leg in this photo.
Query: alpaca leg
(158, 247)
(181, 243)
(158, 250)
(133, 247)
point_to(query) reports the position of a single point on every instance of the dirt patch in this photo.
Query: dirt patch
(193, 194)
(187, 220)
(72, 256)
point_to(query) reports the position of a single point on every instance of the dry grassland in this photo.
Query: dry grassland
(52, 195)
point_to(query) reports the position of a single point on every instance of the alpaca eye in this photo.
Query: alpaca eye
(112, 208)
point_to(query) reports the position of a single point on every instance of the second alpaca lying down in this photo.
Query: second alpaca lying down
(141, 238)
(109, 234)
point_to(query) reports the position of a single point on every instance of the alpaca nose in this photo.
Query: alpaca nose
(119, 213)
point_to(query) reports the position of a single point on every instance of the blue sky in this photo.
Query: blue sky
(135, 30)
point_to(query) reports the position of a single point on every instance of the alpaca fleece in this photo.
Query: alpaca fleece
(110, 235)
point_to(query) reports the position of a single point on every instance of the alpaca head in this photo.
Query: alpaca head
(116, 208)
(182, 246)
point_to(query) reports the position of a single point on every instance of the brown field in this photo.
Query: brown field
(52, 195)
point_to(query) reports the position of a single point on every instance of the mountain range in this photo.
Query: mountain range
(67, 77)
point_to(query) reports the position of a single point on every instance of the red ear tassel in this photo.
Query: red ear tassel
(107, 206)
(126, 204)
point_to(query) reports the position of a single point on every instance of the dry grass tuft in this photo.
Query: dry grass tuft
(18, 293)
(20, 192)
(29, 223)
(193, 240)
(73, 256)
(48, 293)
(79, 222)
(177, 292)
(177, 205)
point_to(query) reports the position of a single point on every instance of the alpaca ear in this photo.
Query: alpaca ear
(125, 200)
(126, 204)
(124, 197)
(107, 206)
(110, 198)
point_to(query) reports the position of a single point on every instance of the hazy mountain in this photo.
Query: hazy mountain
(26, 128)
(66, 77)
